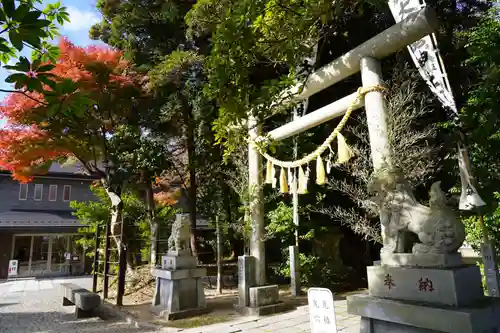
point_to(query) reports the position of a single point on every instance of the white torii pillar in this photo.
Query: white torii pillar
(376, 117)
(376, 113)
(256, 203)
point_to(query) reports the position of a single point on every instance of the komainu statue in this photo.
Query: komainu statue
(179, 239)
(438, 227)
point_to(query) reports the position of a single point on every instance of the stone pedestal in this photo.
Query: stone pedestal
(380, 315)
(255, 300)
(179, 290)
(446, 296)
(454, 286)
(428, 260)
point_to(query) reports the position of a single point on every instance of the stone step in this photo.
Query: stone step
(380, 315)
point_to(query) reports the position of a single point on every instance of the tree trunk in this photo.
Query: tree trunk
(232, 238)
(153, 224)
(131, 258)
(189, 119)
(116, 226)
(219, 254)
(229, 215)
(233, 249)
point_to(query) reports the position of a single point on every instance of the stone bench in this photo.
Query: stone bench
(85, 302)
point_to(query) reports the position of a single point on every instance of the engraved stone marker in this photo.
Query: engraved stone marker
(321, 310)
(246, 278)
(490, 270)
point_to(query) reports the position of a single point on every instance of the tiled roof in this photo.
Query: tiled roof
(58, 168)
(36, 218)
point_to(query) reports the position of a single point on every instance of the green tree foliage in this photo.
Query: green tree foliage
(210, 62)
(318, 266)
(135, 215)
(480, 118)
(23, 24)
(455, 18)
(153, 35)
(146, 31)
(480, 113)
(256, 50)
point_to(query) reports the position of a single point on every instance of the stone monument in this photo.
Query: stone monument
(255, 300)
(421, 286)
(179, 290)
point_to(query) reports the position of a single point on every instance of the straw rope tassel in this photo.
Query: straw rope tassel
(275, 181)
(345, 153)
(302, 181)
(320, 172)
(269, 172)
(283, 182)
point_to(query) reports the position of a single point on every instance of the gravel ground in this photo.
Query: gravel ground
(35, 306)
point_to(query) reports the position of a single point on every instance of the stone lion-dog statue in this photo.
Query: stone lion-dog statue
(438, 228)
(179, 239)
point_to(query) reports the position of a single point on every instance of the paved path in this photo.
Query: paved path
(35, 306)
(291, 322)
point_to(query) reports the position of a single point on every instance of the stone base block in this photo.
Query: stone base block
(380, 315)
(180, 274)
(80, 313)
(178, 262)
(457, 286)
(261, 310)
(263, 296)
(263, 300)
(179, 253)
(414, 260)
(188, 313)
(67, 302)
(179, 290)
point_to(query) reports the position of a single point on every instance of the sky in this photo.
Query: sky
(82, 15)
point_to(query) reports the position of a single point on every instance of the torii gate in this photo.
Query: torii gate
(364, 58)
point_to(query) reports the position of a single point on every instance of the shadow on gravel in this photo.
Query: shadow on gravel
(57, 322)
(69, 277)
(7, 304)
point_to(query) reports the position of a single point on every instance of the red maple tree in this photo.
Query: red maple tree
(74, 120)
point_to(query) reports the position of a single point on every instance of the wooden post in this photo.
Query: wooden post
(13, 248)
(106, 263)
(31, 255)
(122, 270)
(96, 260)
(67, 261)
(256, 195)
(294, 250)
(49, 255)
